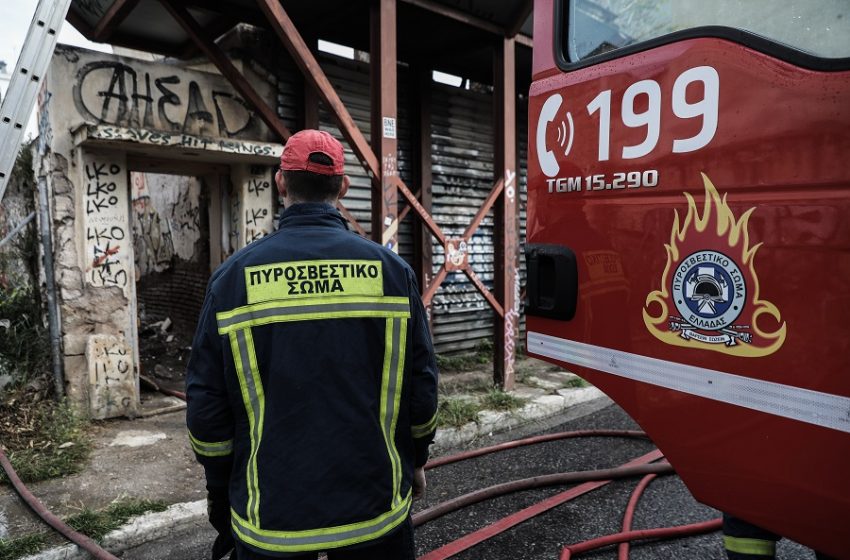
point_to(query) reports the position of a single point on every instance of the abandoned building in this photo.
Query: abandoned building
(159, 160)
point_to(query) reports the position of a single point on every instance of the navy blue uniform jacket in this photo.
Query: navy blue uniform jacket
(312, 386)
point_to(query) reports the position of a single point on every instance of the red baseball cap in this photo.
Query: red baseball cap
(298, 153)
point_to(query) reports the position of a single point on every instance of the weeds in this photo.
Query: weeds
(24, 344)
(483, 354)
(576, 383)
(46, 441)
(96, 524)
(497, 399)
(454, 412)
(16, 548)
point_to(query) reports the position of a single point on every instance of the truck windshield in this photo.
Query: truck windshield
(818, 27)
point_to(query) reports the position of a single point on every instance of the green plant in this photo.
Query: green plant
(96, 524)
(497, 399)
(24, 344)
(576, 382)
(456, 364)
(10, 549)
(454, 412)
(45, 441)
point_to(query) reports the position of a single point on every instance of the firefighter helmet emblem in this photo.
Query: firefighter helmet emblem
(709, 292)
(709, 296)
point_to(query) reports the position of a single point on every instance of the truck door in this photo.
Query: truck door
(689, 239)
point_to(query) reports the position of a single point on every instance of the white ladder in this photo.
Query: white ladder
(26, 81)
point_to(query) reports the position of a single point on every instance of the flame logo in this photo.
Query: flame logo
(710, 285)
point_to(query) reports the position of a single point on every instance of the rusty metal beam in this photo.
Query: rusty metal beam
(507, 215)
(463, 17)
(117, 13)
(228, 70)
(519, 18)
(294, 43)
(351, 219)
(384, 114)
(406, 210)
(488, 203)
(423, 247)
(420, 210)
(488, 295)
(311, 107)
(428, 294)
(216, 28)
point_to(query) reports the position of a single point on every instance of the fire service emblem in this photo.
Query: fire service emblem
(709, 296)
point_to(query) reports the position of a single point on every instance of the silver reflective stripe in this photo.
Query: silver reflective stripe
(217, 449)
(389, 391)
(258, 314)
(253, 401)
(320, 539)
(422, 430)
(813, 407)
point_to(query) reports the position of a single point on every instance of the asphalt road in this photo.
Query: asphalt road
(666, 502)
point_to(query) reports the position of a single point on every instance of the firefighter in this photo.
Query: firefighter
(312, 383)
(745, 541)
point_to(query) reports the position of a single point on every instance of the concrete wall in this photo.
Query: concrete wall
(128, 108)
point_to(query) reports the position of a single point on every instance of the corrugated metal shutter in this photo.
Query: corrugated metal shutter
(462, 158)
(462, 161)
(352, 83)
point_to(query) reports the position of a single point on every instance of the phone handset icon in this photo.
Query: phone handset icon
(546, 157)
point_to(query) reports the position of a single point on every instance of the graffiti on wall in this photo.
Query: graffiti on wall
(112, 382)
(257, 196)
(183, 140)
(166, 220)
(152, 243)
(157, 97)
(106, 216)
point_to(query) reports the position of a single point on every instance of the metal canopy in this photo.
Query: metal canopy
(483, 42)
(455, 36)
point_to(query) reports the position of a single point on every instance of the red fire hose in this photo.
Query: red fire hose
(662, 533)
(531, 441)
(77, 538)
(534, 482)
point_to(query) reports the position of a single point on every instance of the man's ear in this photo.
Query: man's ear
(346, 182)
(280, 182)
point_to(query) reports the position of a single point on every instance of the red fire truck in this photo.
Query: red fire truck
(689, 239)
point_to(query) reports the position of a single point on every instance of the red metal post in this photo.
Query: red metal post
(506, 212)
(421, 111)
(286, 31)
(384, 122)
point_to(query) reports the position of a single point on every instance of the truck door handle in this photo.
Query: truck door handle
(552, 285)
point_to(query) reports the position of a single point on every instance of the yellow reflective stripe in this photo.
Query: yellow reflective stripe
(320, 539)
(311, 309)
(211, 449)
(422, 430)
(242, 344)
(755, 547)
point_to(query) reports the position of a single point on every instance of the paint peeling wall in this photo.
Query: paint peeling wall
(166, 221)
(123, 105)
